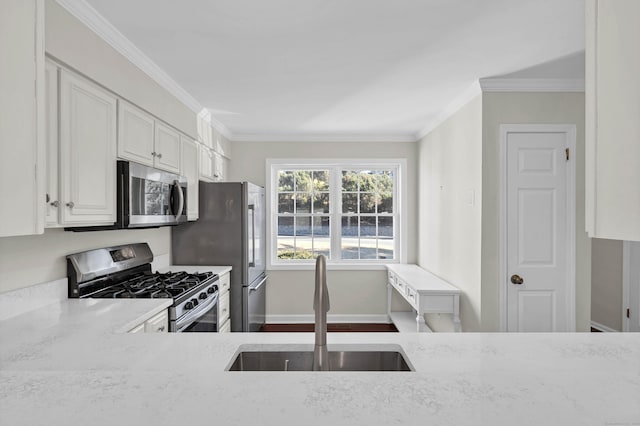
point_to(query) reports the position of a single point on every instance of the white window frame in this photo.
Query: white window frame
(399, 194)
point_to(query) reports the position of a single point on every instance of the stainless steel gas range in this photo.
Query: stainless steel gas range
(125, 272)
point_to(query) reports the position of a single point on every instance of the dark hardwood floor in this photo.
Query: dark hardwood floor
(331, 328)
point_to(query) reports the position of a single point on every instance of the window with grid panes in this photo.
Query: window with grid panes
(346, 212)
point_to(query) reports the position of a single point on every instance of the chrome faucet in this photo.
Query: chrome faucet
(321, 306)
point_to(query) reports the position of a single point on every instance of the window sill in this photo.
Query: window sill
(332, 267)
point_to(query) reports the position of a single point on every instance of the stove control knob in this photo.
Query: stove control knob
(194, 301)
(211, 290)
(203, 295)
(188, 306)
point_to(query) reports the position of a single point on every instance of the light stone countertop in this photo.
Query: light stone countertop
(67, 364)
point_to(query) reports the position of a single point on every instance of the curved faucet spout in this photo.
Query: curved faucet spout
(321, 306)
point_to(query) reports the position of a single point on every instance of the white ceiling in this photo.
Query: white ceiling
(286, 68)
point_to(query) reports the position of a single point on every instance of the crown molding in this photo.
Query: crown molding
(322, 137)
(464, 98)
(90, 17)
(532, 84)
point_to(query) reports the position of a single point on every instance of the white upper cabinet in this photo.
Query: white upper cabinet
(167, 153)
(190, 169)
(212, 166)
(145, 140)
(613, 119)
(22, 155)
(87, 152)
(218, 167)
(52, 199)
(135, 134)
(206, 164)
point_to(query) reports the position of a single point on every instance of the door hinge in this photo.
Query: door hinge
(566, 152)
(628, 313)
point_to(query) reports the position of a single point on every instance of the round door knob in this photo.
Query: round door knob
(516, 279)
(159, 155)
(70, 204)
(55, 203)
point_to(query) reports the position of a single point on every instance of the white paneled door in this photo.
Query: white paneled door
(540, 217)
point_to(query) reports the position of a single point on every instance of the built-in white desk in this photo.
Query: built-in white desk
(425, 292)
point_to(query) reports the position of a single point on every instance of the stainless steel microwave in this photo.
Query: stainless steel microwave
(147, 198)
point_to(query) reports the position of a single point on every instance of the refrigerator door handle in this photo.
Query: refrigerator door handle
(256, 288)
(252, 259)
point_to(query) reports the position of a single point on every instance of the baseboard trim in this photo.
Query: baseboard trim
(310, 318)
(603, 328)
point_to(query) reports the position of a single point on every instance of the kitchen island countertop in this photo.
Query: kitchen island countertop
(70, 364)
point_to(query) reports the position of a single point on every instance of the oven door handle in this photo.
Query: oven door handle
(189, 318)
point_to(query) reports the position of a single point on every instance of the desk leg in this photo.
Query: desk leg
(420, 322)
(389, 295)
(457, 326)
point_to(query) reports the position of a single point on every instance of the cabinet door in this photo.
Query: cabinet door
(224, 283)
(157, 324)
(223, 308)
(612, 95)
(87, 152)
(52, 200)
(135, 134)
(189, 169)
(22, 152)
(218, 167)
(206, 164)
(167, 148)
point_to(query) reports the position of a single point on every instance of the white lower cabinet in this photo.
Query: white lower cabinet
(87, 167)
(224, 324)
(225, 328)
(159, 323)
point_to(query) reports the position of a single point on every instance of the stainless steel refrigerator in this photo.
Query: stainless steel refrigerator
(230, 231)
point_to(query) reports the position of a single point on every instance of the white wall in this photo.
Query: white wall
(35, 259)
(606, 283)
(450, 194)
(518, 108)
(351, 292)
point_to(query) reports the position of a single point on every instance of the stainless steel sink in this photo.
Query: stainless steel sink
(299, 360)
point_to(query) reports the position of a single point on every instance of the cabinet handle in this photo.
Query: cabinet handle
(154, 154)
(159, 155)
(216, 175)
(70, 204)
(161, 328)
(55, 203)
